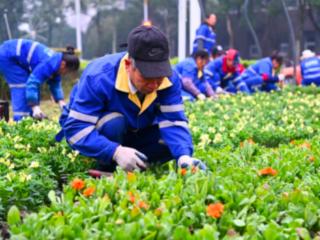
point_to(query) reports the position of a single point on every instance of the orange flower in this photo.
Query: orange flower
(305, 145)
(131, 177)
(312, 158)
(143, 205)
(249, 141)
(89, 191)
(158, 212)
(77, 184)
(292, 142)
(268, 171)
(194, 169)
(215, 210)
(131, 197)
(135, 211)
(183, 171)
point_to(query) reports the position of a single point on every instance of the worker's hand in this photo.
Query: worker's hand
(129, 159)
(187, 161)
(37, 113)
(61, 104)
(219, 90)
(214, 97)
(281, 77)
(201, 96)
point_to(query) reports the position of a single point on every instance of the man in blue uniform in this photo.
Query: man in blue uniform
(205, 36)
(127, 111)
(190, 71)
(217, 52)
(27, 64)
(223, 73)
(310, 68)
(263, 75)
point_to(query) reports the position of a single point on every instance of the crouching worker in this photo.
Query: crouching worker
(127, 111)
(190, 71)
(223, 73)
(310, 68)
(263, 75)
(26, 65)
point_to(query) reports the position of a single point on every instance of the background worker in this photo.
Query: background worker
(310, 68)
(223, 73)
(190, 71)
(127, 108)
(205, 36)
(26, 65)
(264, 74)
(217, 52)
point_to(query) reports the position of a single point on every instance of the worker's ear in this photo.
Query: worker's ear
(63, 65)
(127, 63)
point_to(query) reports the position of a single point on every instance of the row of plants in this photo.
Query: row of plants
(253, 192)
(261, 183)
(32, 163)
(268, 119)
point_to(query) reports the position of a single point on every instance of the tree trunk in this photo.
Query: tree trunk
(312, 17)
(99, 32)
(230, 31)
(114, 33)
(300, 39)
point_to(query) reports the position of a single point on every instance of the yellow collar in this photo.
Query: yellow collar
(122, 84)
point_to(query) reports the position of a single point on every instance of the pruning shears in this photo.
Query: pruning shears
(98, 174)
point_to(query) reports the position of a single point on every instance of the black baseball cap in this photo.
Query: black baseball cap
(149, 47)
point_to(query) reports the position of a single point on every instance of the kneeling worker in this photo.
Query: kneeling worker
(127, 108)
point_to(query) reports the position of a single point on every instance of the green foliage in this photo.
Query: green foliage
(277, 130)
(31, 164)
(246, 63)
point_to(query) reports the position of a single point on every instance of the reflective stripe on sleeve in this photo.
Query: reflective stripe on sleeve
(22, 85)
(83, 117)
(18, 50)
(172, 108)
(78, 136)
(166, 123)
(108, 118)
(21, 113)
(30, 53)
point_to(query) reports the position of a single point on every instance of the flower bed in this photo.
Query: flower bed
(263, 158)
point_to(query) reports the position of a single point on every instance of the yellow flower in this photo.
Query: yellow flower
(217, 138)
(212, 130)
(22, 177)
(10, 176)
(226, 117)
(195, 129)
(34, 164)
(11, 166)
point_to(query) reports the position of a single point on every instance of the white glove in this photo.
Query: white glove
(129, 159)
(201, 96)
(37, 113)
(61, 104)
(281, 76)
(186, 161)
(220, 91)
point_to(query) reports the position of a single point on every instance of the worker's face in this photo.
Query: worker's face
(201, 62)
(229, 63)
(63, 68)
(212, 20)
(142, 84)
(275, 64)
